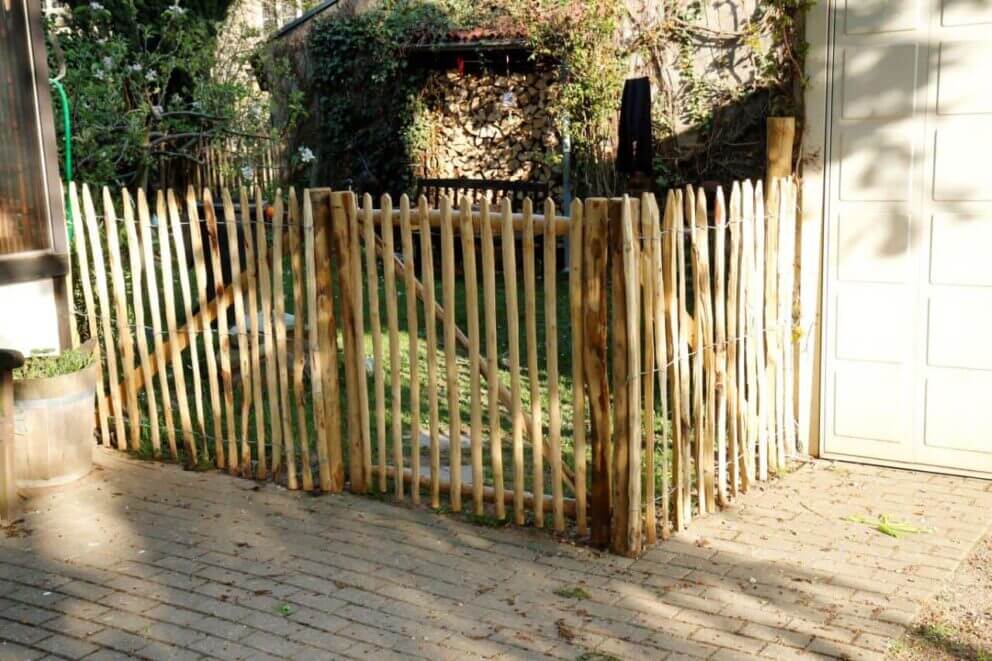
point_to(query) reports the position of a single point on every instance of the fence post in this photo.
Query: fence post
(322, 306)
(625, 538)
(594, 364)
(343, 225)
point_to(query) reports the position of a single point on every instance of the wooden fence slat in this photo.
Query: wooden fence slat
(125, 338)
(303, 317)
(327, 338)
(266, 329)
(771, 326)
(657, 275)
(155, 310)
(720, 340)
(430, 322)
(508, 245)
(314, 352)
(82, 262)
(105, 316)
(475, 378)
(192, 328)
(734, 412)
(138, 304)
(632, 275)
(200, 271)
(648, 277)
(492, 358)
(533, 376)
(392, 322)
(685, 329)
(697, 387)
(705, 346)
(759, 332)
(254, 343)
(281, 358)
(787, 270)
(594, 245)
(576, 312)
(747, 330)
(410, 279)
(166, 216)
(361, 365)
(550, 244)
(450, 354)
(245, 374)
(379, 372)
(220, 296)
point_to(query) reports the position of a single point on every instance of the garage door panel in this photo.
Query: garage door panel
(870, 404)
(873, 244)
(959, 328)
(958, 415)
(961, 156)
(960, 245)
(962, 66)
(871, 323)
(961, 13)
(879, 81)
(879, 16)
(876, 161)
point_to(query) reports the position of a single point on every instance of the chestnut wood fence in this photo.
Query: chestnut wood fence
(615, 370)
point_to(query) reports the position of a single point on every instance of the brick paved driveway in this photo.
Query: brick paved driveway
(145, 560)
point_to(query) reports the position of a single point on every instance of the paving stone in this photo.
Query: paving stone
(64, 646)
(203, 565)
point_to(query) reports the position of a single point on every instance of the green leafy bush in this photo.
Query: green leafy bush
(45, 364)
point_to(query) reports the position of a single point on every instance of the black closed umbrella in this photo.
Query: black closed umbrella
(635, 152)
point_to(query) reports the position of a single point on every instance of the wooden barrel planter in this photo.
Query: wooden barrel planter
(54, 428)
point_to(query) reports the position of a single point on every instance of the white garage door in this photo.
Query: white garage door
(908, 298)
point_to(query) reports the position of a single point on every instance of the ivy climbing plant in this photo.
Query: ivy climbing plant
(713, 87)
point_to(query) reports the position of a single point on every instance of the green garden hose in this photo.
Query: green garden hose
(67, 135)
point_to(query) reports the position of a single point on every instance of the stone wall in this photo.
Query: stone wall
(487, 125)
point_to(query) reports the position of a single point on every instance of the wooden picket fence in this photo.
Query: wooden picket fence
(297, 339)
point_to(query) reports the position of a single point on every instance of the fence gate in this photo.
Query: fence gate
(442, 354)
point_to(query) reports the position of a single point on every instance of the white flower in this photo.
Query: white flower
(151, 76)
(96, 6)
(175, 10)
(247, 172)
(135, 68)
(197, 105)
(99, 75)
(305, 155)
(108, 63)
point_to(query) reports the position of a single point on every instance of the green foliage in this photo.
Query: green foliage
(572, 592)
(710, 125)
(368, 95)
(45, 364)
(149, 87)
(705, 128)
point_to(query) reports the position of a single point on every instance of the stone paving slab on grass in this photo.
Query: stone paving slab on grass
(145, 560)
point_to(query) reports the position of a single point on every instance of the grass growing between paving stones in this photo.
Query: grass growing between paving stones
(572, 592)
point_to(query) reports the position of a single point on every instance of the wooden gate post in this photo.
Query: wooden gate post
(594, 364)
(344, 226)
(9, 361)
(625, 528)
